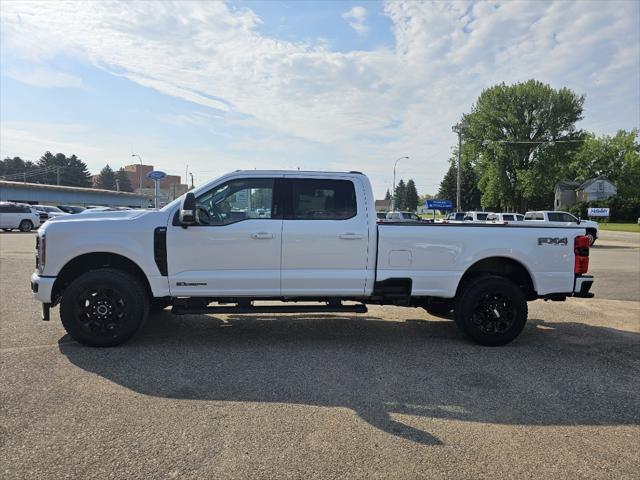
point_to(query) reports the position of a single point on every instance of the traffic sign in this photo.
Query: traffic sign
(439, 204)
(598, 212)
(156, 175)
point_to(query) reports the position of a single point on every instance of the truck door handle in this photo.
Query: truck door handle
(261, 235)
(350, 236)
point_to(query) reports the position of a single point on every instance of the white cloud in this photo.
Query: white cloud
(356, 18)
(44, 77)
(368, 107)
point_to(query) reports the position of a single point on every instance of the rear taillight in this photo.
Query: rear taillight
(581, 250)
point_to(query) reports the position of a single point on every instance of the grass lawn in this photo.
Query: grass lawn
(621, 227)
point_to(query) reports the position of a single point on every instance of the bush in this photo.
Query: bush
(621, 209)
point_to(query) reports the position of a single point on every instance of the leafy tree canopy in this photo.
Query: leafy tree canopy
(523, 137)
(617, 157)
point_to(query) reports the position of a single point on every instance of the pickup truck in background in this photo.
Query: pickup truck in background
(297, 238)
(564, 218)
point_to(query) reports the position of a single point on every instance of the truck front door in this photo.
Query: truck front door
(234, 250)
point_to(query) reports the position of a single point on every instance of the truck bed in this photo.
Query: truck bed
(434, 256)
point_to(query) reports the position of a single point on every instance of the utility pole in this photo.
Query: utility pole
(393, 195)
(191, 179)
(458, 129)
(117, 185)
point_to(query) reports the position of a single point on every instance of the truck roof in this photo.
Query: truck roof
(301, 172)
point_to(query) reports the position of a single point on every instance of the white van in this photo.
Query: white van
(18, 215)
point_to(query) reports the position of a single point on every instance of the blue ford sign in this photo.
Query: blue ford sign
(440, 204)
(156, 175)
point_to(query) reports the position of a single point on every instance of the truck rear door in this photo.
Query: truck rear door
(324, 238)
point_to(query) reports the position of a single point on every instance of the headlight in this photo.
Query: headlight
(41, 252)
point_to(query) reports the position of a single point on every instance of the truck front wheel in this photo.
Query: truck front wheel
(491, 310)
(104, 308)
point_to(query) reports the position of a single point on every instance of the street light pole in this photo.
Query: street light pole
(393, 194)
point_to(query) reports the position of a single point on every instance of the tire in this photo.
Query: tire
(491, 310)
(439, 307)
(591, 235)
(26, 226)
(104, 308)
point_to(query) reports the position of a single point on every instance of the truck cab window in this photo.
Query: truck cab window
(235, 201)
(323, 199)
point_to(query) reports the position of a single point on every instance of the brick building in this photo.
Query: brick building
(136, 172)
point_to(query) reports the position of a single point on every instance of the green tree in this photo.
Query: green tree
(617, 157)
(387, 196)
(123, 180)
(106, 179)
(64, 170)
(411, 196)
(469, 192)
(16, 169)
(524, 136)
(399, 195)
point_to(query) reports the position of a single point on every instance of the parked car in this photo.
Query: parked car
(403, 217)
(564, 218)
(73, 209)
(18, 216)
(504, 217)
(476, 216)
(52, 212)
(381, 215)
(454, 217)
(322, 243)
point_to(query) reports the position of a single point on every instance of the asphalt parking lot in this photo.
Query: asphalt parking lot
(394, 393)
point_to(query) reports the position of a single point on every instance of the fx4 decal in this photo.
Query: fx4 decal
(553, 241)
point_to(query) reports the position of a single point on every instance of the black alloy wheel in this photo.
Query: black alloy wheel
(491, 310)
(104, 308)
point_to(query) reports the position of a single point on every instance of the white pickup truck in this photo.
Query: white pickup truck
(296, 237)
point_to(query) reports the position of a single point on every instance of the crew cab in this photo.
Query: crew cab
(295, 238)
(564, 218)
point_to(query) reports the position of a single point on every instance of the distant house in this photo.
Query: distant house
(568, 193)
(383, 205)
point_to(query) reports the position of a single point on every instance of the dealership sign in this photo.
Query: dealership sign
(156, 175)
(440, 204)
(598, 212)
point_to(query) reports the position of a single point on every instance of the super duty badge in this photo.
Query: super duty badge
(553, 241)
(191, 284)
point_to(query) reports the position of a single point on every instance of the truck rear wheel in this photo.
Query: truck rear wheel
(104, 308)
(491, 310)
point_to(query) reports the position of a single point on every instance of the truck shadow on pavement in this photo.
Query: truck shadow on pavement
(554, 374)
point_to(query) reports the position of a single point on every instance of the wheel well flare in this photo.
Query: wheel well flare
(93, 261)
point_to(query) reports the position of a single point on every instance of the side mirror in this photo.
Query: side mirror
(188, 210)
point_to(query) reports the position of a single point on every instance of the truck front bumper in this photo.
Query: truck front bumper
(41, 287)
(582, 286)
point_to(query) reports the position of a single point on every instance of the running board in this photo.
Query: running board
(182, 310)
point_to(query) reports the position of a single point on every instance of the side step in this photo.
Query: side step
(337, 308)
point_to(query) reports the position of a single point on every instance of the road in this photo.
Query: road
(395, 393)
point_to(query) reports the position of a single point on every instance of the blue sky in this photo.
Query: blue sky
(316, 85)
